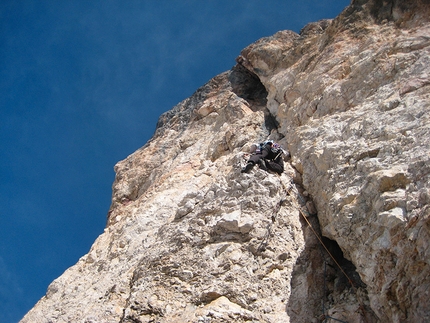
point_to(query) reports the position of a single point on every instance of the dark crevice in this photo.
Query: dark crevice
(248, 86)
(327, 275)
(270, 122)
(382, 10)
(346, 265)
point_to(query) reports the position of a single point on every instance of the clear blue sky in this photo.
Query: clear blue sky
(82, 84)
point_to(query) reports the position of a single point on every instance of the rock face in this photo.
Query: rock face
(191, 239)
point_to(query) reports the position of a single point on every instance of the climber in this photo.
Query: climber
(268, 157)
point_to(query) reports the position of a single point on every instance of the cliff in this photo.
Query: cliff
(342, 234)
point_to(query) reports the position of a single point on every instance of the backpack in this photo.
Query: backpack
(276, 148)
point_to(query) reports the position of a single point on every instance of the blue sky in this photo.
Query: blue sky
(82, 86)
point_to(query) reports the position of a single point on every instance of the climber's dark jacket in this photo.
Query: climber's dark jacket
(272, 161)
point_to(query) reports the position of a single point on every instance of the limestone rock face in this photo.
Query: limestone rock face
(343, 233)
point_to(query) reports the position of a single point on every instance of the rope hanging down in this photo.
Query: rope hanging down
(293, 187)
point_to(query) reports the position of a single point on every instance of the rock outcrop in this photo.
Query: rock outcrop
(343, 233)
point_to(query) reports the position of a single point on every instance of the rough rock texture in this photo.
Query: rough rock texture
(191, 239)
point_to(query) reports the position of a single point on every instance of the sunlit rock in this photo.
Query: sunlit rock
(342, 233)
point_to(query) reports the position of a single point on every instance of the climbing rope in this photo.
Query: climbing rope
(293, 187)
(324, 316)
(324, 246)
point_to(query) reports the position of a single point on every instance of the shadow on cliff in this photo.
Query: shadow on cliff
(248, 86)
(317, 282)
(320, 288)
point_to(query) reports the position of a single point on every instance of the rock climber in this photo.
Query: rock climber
(267, 158)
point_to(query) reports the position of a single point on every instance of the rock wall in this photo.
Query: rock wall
(191, 239)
